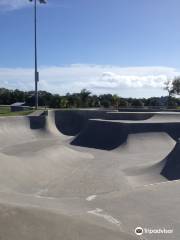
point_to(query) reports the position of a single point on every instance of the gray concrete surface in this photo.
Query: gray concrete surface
(83, 175)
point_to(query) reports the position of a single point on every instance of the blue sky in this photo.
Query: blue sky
(128, 47)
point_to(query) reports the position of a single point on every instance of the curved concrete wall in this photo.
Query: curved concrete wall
(71, 122)
(171, 168)
(102, 135)
(127, 116)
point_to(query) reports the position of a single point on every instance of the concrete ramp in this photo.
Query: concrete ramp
(151, 142)
(165, 117)
(71, 122)
(16, 130)
(147, 151)
(102, 135)
(21, 135)
(110, 134)
(171, 169)
(51, 125)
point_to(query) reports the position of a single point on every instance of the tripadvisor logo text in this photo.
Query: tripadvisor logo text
(140, 231)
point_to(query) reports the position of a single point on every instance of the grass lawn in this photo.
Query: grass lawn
(6, 111)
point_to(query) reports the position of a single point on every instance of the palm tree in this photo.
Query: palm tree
(169, 88)
(84, 96)
(115, 101)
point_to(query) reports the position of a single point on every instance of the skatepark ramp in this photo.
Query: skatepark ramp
(102, 135)
(24, 129)
(71, 122)
(171, 169)
(153, 148)
(109, 134)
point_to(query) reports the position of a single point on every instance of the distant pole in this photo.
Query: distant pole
(36, 74)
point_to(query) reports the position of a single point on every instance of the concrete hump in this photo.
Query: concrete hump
(171, 168)
(101, 134)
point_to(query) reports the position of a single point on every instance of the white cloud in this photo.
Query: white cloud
(9, 5)
(13, 4)
(128, 81)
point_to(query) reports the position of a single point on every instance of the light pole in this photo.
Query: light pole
(36, 73)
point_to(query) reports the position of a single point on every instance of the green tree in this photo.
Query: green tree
(64, 103)
(123, 103)
(115, 101)
(55, 102)
(154, 101)
(137, 103)
(176, 86)
(168, 86)
(84, 96)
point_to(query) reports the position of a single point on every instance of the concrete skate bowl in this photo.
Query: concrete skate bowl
(100, 184)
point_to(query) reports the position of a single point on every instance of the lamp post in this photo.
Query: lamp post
(36, 73)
